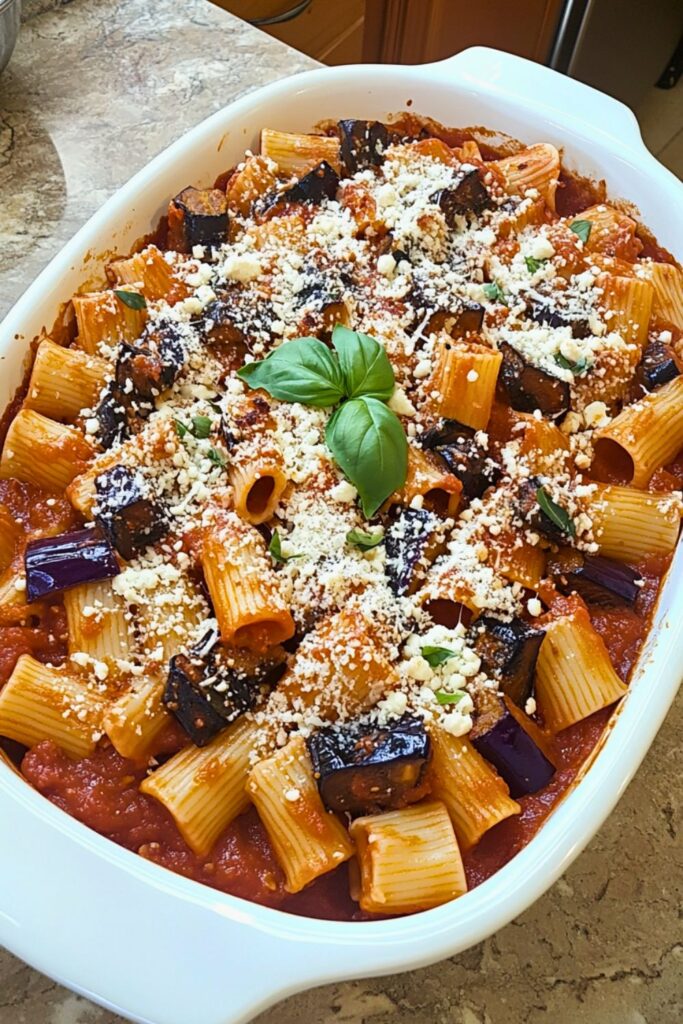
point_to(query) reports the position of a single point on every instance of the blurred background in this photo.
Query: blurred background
(630, 49)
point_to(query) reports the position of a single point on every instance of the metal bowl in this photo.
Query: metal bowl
(10, 16)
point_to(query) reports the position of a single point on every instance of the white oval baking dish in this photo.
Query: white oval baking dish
(164, 950)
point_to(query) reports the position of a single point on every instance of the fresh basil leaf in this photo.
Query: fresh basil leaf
(532, 264)
(494, 292)
(180, 428)
(364, 541)
(436, 655)
(581, 228)
(579, 367)
(275, 549)
(364, 364)
(368, 443)
(131, 299)
(201, 427)
(303, 370)
(555, 513)
(443, 697)
(216, 457)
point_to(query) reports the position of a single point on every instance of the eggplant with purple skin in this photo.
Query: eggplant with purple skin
(112, 416)
(363, 144)
(532, 514)
(151, 364)
(197, 216)
(500, 735)
(508, 652)
(475, 470)
(57, 563)
(543, 313)
(364, 768)
(412, 541)
(598, 580)
(320, 183)
(127, 516)
(467, 195)
(658, 366)
(205, 692)
(527, 388)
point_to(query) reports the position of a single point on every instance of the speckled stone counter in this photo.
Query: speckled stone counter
(95, 88)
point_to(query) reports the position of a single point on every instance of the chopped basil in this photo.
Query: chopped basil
(364, 541)
(180, 428)
(131, 299)
(577, 368)
(582, 229)
(369, 444)
(216, 457)
(443, 697)
(436, 655)
(201, 427)
(494, 292)
(275, 549)
(555, 513)
(532, 264)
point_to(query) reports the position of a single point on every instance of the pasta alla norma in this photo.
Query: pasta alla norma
(332, 522)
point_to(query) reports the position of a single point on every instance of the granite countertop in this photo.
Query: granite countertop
(96, 88)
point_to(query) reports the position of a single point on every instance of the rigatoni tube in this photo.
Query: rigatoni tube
(308, 840)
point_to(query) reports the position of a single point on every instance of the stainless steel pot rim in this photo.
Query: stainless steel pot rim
(8, 3)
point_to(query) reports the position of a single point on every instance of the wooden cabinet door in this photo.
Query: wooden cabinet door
(418, 31)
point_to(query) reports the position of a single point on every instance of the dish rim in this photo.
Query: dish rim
(382, 946)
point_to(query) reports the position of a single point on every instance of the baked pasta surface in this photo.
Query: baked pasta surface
(330, 533)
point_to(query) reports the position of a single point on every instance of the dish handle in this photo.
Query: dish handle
(515, 78)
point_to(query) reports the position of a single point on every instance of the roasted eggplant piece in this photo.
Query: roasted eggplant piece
(320, 183)
(475, 470)
(363, 768)
(363, 144)
(467, 195)
(543, 313)
(445, 432)
(508, 652)
(112, 416)
(197, 216)
(57, 563)
(206, 689)
(658, 365)
(412, 541)
(598, 580)
(148, 367)
(501, 735)
(534, 516)
(527, 388)
(128, 517)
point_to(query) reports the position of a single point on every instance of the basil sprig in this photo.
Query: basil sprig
(134, 300)
(368, 443)
(303, 370)
(364, 364)
(555, 513)
(582, 229)
(436, 656)
(364, 436)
